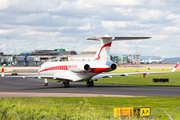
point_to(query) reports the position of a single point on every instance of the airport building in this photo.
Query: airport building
(38, 57)
(35, 58)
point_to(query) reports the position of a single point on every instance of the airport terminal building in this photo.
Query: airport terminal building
(38, 57)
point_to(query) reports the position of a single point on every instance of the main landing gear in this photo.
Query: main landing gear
(45, 82)
(65, 84)
(90, 83)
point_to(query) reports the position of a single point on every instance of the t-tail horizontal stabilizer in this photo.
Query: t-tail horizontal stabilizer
(117, 38)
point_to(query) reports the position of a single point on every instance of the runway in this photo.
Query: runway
(30, 87)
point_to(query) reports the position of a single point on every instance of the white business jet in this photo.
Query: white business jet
(73, 71)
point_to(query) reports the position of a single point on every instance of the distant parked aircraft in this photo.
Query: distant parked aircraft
(25, 59)
(150, 60)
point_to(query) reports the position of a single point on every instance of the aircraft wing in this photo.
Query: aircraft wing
(56, 76)
(127, 74)
(27, 76)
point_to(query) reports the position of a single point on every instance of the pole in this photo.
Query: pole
(136, 60)
(7, 51)
(83, 50)
(7, 45)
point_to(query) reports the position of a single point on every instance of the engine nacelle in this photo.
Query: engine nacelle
(78, 67)
(112, 66)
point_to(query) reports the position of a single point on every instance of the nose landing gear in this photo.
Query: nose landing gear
(45, 82)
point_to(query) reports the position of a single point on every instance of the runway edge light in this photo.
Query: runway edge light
(132, 112)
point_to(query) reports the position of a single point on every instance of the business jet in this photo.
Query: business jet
(89, 71)
(150, 60)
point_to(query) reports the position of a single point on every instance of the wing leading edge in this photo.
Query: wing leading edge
(57, 77)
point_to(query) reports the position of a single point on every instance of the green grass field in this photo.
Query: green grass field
(63, 108)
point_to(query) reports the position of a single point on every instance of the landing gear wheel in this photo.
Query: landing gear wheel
(45, 84)
(90, 83)
(65, 84)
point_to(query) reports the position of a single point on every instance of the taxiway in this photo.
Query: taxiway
(29, 87)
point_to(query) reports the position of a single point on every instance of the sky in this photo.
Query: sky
(28, 25)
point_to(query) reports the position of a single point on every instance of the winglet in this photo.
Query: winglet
(2, 74)
(174, 69)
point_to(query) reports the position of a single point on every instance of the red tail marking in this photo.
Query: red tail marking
(106, 45)
(2, 70)
(176, 66)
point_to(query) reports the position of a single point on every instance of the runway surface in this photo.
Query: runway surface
(30, 87)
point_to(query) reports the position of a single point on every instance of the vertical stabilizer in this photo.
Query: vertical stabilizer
(103, 50)
(163, 58)
(105, 45)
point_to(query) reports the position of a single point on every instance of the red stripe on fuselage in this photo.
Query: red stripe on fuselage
(61, 67)
(106, 45)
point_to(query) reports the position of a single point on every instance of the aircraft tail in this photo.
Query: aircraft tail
(105, 45)
(163, 58)
(26, 55)
(25, 59)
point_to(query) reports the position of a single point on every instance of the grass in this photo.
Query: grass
(63, 108)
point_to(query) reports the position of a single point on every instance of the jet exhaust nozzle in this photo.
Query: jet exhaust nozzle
(112, 66)
(86, 67)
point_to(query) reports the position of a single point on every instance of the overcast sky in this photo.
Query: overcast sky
(49, 24)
